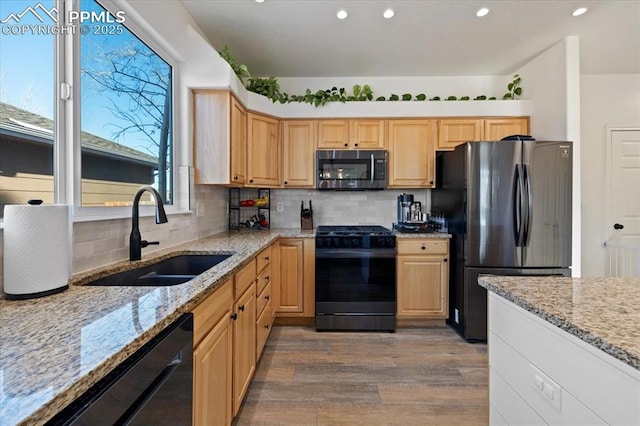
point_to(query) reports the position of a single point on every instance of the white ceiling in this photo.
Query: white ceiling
(303, 38)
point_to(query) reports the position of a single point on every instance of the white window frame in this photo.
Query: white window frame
(67, 149)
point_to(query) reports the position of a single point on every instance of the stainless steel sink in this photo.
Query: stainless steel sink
(167, 272)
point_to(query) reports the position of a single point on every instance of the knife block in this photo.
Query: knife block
(306, 222)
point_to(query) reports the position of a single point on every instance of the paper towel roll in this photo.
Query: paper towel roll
(37, 250)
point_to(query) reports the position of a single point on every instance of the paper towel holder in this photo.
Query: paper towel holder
(36, 279)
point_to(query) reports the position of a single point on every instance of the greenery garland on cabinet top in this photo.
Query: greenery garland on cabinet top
(269, 87)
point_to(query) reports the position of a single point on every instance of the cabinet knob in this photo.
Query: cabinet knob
(241, 308)
(346, 144)
(444, 260)
(235, 177)
(266, 258)
(266, 327)
(267, 297)
(267, 278)
(250, 180)
(423, 248)
(234, 316)
(285, 182)
(431, 182)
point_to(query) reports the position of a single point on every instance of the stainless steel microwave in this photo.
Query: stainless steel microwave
(351, 170)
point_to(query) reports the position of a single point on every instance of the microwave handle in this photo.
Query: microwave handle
(373, 169)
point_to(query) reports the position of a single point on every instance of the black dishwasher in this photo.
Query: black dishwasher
(154, 386)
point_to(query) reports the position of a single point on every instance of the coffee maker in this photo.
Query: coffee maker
(410, 216)
(404, 207)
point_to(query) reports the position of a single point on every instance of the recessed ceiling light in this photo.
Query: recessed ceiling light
(388, 13)
(579, 11)
(482, 12)
(342, 14)
(259, 1)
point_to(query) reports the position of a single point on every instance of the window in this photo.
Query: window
(119, 107)
(26, 108)
(126, 114)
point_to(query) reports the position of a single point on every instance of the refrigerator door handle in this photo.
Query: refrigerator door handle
(528, 215)
(518, 201)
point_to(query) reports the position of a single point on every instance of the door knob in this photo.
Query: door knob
(618, 226)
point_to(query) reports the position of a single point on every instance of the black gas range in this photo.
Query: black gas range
(355, 278)
(354, 236)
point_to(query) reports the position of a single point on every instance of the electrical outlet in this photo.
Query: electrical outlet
(279, 207)
(174, 225)
(199, 209)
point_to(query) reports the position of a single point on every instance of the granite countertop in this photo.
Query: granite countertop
(603, 312)
(54, 348)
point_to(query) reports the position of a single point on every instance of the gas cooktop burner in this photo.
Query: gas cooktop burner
(354, 237)
(353, 230)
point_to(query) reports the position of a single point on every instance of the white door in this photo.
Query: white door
(624, 206)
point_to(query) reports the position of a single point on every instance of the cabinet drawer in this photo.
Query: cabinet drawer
(263, 328)
(245, 277)
(263, 298)
(263, 259)
(210, 310)
(264, 278)
(426, 246)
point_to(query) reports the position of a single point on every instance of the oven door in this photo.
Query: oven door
(355, 281)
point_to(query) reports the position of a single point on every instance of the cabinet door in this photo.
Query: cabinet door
(298, 153)
(366, 134)
(497, 128)
(263, 156)
(411, 153)
(244, 345)
(212, 376)
(333, 134)
(422, 287)
(238, 143)
(453, 132)
(289, 286)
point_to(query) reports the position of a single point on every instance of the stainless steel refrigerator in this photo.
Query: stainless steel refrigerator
(508, 204)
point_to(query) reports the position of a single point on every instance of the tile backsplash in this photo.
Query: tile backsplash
(340, 207)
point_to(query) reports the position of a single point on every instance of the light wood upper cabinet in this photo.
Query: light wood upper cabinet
(219, 138)
(498, 128)
(212, 358)
(411, 150)
(298, 153)
(238, 142)
(351, 134)
(263, 151)
(453, 132)
(423, 278)
(294, 280)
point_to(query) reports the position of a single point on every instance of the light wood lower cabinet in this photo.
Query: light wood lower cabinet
(423, 278)
(294, 270)
(264, 297)
(244, 332)
(212, 358)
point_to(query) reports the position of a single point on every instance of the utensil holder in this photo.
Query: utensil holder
(306, 222)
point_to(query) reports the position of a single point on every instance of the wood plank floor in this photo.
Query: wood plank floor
(416, 376)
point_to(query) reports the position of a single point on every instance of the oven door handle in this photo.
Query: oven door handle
(341, 253)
